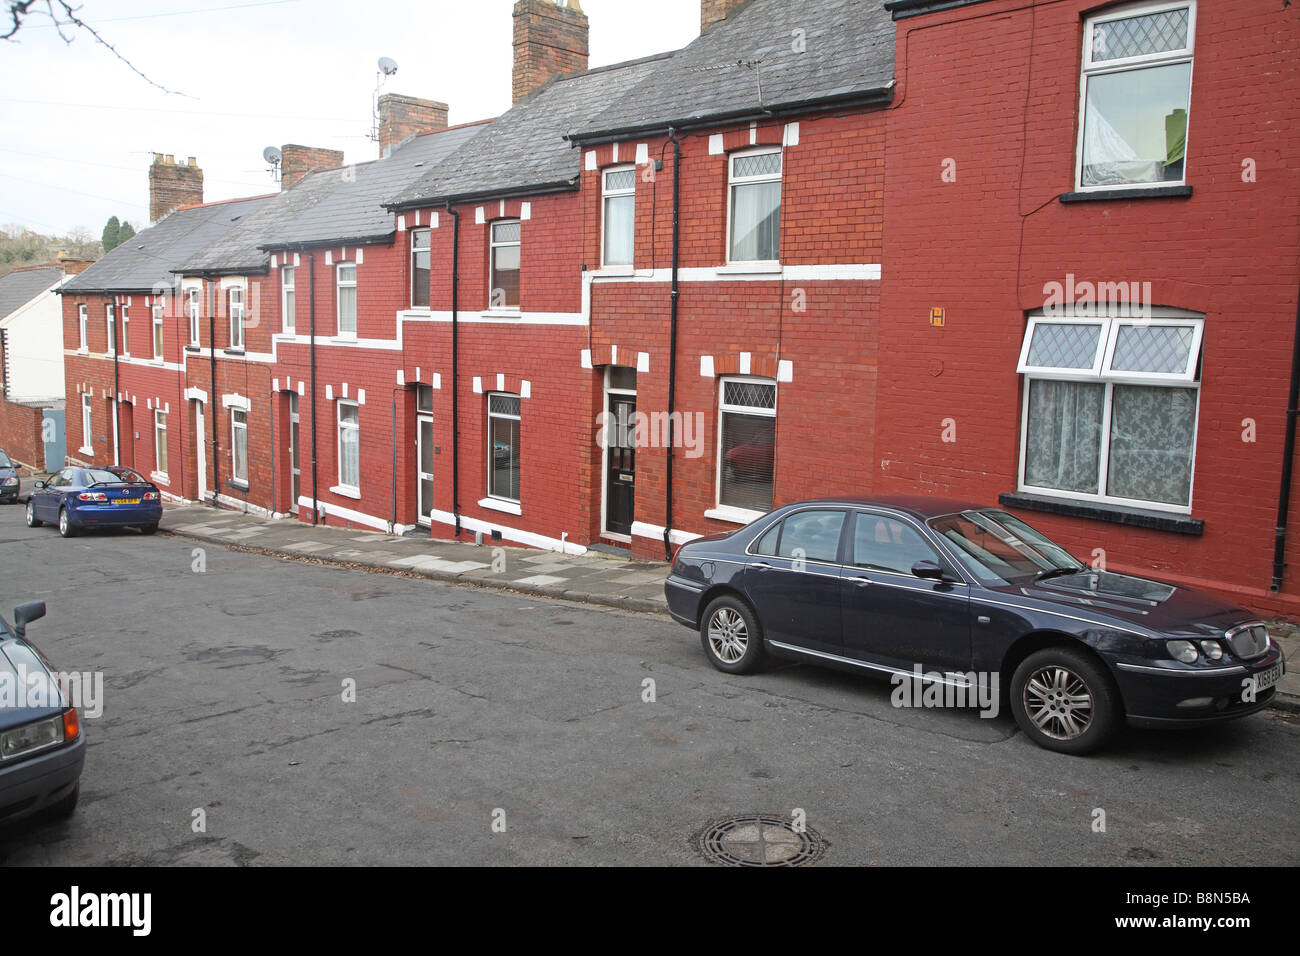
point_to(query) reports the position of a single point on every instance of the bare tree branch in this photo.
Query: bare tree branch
(63, 14)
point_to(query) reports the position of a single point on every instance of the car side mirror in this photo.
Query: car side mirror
(40, 484)
(928, 569)
(24, 614)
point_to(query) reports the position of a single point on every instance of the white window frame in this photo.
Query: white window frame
(288, 299)
(1112, 321)
(428, 251)
(731, 512)
(86, 426)
(126, 332)
(493, 246)
(160, 442)
(237, 426)
(491, 459)
(110, 325)
(340, 426)
(339, 285)
(606, 194)
(194, 308)
(158, 343)
(235, 307)
(83, 324)
(733, 181)
(1090, 68)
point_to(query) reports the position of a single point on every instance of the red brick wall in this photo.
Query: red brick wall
(985, 245)
(20, 433)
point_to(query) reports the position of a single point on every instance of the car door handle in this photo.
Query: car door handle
(862, 582)
(761, 564)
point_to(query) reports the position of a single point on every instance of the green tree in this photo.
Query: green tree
(125, 233)
(112, 233)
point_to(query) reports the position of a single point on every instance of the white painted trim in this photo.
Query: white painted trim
(196, 393)
(496, 504)
(510, 534)
(655, 532)
(346, 491)
(332, 510)
(741, 516)
(235, 400)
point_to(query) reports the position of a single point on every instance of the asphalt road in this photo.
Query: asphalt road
(223, 691)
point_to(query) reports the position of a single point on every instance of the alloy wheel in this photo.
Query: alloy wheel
(728, 635)
(1058, 702)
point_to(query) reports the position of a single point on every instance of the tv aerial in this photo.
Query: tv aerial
(387, 67)
(273, 157)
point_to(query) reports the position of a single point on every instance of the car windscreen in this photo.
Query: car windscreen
(4, 461)
(994, 545)
(123, 475)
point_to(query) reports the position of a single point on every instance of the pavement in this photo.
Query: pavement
(592, 578)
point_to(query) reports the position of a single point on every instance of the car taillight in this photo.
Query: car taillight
(71, 724)
(92, 496)
(151, 496)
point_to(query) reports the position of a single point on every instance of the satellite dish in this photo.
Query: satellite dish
(387, 66)
(272, 155)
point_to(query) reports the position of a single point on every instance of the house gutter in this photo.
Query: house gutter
(560, 186)
(455, 368)
(672, 341)
(1288, 458)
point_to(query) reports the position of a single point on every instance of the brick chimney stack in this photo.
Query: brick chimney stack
(550, 39)
(72, 265)
(713, 11)
(173, 184)
(297, 161)
(402, 116)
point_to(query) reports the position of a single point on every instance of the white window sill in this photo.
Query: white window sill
(750, 268)
(125, 355)
(615, 271)
(290, 333)
(85, 451)
(347, 491)
(159, 478)
(344, 339)
(239, 483)
(83, 350)
(158, 360)
(499, 504)
(502, 314)
(733, 515)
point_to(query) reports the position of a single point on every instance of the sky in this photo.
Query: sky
(78, 128)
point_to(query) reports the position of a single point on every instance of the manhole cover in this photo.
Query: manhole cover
(759, 840)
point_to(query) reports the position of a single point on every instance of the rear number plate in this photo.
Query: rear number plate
(127, 501)
(1266, 679)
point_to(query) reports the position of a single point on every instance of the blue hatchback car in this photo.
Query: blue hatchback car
(111, 497)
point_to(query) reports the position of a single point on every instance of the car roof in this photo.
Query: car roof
(923, 507)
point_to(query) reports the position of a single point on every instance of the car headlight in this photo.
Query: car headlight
(11, 480)
(1212, 650)
(33, 736)
(1184, 651)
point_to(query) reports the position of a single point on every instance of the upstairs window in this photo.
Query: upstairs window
(420, 247)
(1137, 84)
(192, 308)
(1110, 409)
(288, 297)
(347, 299)
(619, 215)
(126, 333)
(755, 217)
(158, 338)
(82, 343)
(506, 237)
(111, 326)
(235, 299)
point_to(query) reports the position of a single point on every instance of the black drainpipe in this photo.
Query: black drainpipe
(213, 403)
(311, 313)
(672, 342)
(455, 369)
(117, 390)
(1288, 456)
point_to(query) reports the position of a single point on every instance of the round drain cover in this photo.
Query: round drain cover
(758, 839)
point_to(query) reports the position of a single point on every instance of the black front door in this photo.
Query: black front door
(620, 480)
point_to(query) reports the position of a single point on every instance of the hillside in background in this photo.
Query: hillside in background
(20, 246)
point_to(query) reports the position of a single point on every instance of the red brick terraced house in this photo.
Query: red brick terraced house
(1091, 275)
(124, 348)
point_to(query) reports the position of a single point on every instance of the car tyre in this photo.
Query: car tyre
(32, 520)
(66, 527)
(731, 635)
(1065, 700)
(149, 528)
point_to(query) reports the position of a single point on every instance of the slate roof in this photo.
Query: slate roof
(145, 261)
(524, 150)
(352, 210)
(848, 53)
(19, 288)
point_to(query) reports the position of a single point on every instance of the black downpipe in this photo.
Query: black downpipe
(1288, 457)
(213, 404)
(117, 393)
(311, 320)
(672, 343)
(392, 525)
(455, 368)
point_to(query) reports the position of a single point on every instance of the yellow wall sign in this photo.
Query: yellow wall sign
(937, 315)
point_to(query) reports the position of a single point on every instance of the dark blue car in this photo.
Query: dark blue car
(11, 483)
(109, 497)
(971, 596)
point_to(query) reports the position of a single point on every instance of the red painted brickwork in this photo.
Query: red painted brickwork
(995, 88)
(20, 433)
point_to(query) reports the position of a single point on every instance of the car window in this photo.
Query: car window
(814, 535)
(887, 544)
(127, 475)
(97, 475)
(4, 461)
(768, 542)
